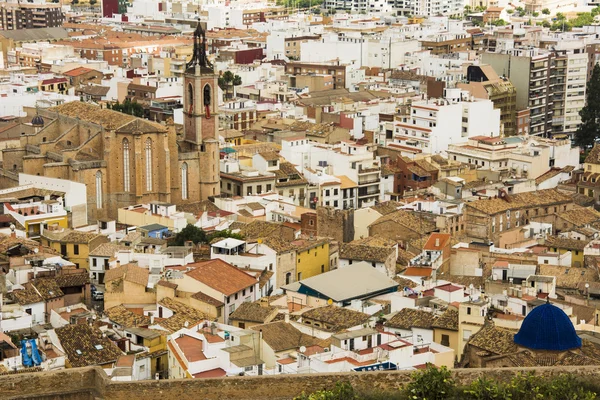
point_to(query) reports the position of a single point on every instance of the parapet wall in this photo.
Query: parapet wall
(92, 383)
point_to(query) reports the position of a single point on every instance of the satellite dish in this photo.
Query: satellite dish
(302, 349)
(330, 302)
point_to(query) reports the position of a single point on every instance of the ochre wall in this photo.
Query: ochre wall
(79, 383)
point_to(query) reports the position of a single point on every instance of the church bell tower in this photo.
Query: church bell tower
(200, 115)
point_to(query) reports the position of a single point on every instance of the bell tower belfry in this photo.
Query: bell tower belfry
(200, 114)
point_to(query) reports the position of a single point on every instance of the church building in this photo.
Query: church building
(126, 160)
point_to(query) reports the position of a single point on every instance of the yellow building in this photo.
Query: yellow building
(563, 245)
(445, 330)
(471, 316)
(74, 246)
(33, 215)
(312, 257)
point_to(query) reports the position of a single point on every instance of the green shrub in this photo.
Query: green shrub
(432, 384)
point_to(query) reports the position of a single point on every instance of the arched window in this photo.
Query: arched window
(184, 181)
(190, 94)
(126, 172)
(207, 95)
(99, 189)
(149, 165)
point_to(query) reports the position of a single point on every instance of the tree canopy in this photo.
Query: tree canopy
(589, 130)
(128, 107)
(192, 233)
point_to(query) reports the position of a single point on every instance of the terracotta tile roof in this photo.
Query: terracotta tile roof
(569, 277)
(538, 198)
(108, 249)
(73, 279)
(441, 238)
(26, 296)
(281, 336)
(128, 272)
(408, 318)
(417, 271)
(404, 282)
(70, 236)
(191, 348)
(593, 156)
(78, 71)
(367, 251)
(85, 346)
(387, 207)
(564, 243)
(580, 216)
(109, 119)
(408, 219)
(211, 373)
(182, 314)
(494, 340)
(221, 276)
(207, 299)
(278, 244)
(269, 155)
(168, 284)
(260, 229)
(126, 318)
(254, 312)
(448, 320)
(336, 318)
(47, 287)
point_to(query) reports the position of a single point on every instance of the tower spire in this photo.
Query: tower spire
(199, 56)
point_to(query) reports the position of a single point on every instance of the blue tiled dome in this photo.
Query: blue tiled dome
(37, 121)
(547, 327)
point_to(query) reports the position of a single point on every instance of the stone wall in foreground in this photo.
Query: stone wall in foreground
(92, 383)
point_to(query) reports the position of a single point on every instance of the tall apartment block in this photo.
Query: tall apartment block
(30, 15)
(535, 73)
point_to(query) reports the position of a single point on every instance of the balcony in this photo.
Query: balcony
(365, 194)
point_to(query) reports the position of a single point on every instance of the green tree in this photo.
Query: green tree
(468, 9)
(546, 11)
(499, 22)
(432, 384)
(560, 16)
(341, 391)
(595, 11)
(92, 2)
(519, 10)
(510, 11)
(190, 233)
(227, 81)
(546, 24)
(535, 14)
(582, 19)
(589, 129)
(226, 233)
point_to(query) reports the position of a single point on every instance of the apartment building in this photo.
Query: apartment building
(484, 83)
(569, 90)
(446, 43)
(432, 125)
(337, 71)
(19, 15)
(354, 160)
(515, 156)
(527, 68)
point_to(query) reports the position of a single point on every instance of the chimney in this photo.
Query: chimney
(437, 242)
(151, 319)
(287, 318)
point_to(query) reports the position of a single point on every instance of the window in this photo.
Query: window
(63, 249)
(93, 262)
(269, 187)
(184, 181)
(288, 278)
(231, 309)
(149, 165)
(99, 189)
(445, 340)
(236, 296)
(322, 268)
(251, 289)
(468, 310)
(75, 249)
(126, 172)
(466, 334)
(299, 276)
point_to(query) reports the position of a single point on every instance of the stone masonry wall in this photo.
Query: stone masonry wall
(92, 382)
